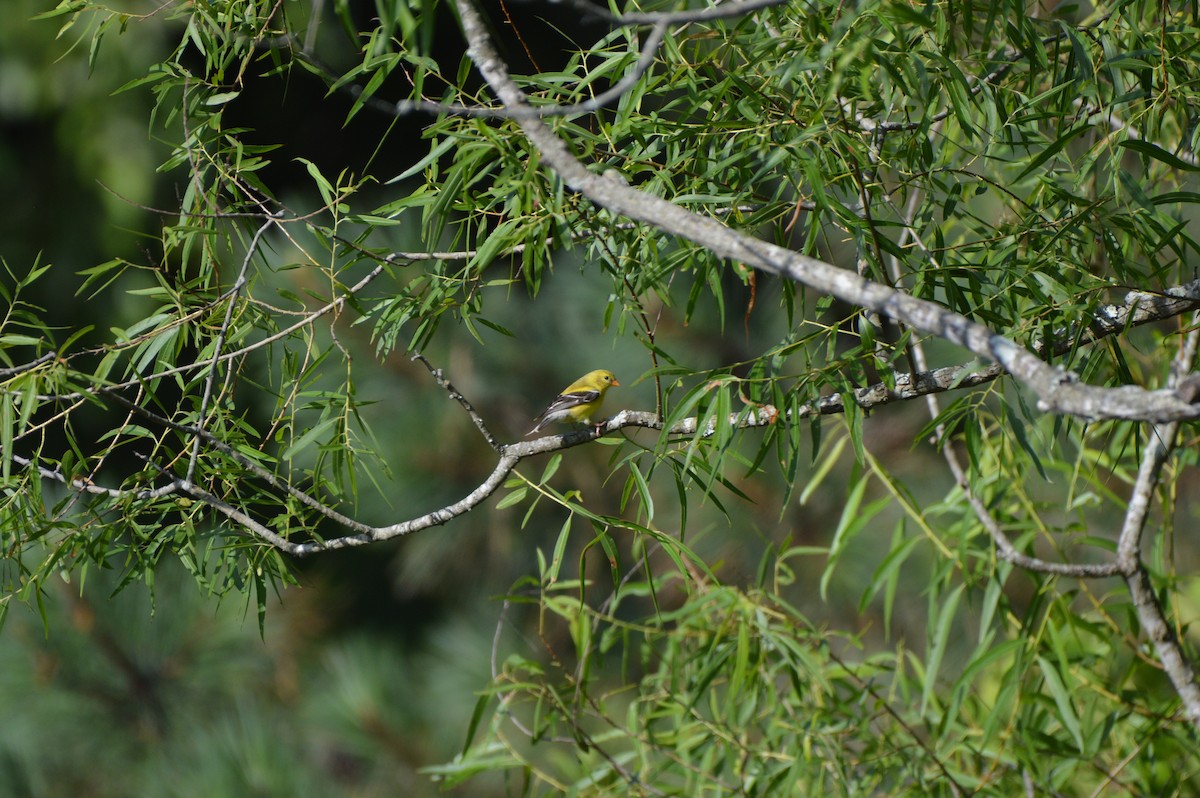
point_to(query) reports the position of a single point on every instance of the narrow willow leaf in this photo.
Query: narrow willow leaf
(560, 547)
(551, 468)
(516, 497)
(1062, 699)
(940, 641)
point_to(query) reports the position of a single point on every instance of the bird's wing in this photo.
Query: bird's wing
(565, 401)
(562, 403)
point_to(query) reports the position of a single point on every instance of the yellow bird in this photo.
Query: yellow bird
(579, 401)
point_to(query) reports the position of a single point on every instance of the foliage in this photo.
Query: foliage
(735, 693)
(1022, 170)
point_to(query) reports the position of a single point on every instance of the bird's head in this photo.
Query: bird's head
(602, 377)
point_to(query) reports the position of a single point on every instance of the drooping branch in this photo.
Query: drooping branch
(1147, 604)
(1004, 546)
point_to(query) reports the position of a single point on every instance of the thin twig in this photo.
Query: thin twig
(219, 344)
(457, 396)
(15, 370)
(706, 14)
(645, 59)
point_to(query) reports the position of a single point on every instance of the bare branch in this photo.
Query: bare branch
(363, 533)
(503, 468)
(1158, 447)
(1140, 307)
(31, 365)
(88, 486)
(457, 396)
(234, 514)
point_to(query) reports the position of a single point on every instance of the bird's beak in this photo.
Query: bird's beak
(616, 381)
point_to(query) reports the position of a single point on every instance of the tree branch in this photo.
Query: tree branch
(1004, 546)
(1159, 444)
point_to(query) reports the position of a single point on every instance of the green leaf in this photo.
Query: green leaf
(560, 547)
(481, 705)
(1157, 153)
(516, 497)
(853, 521)
(328, 197)
(832, 456)
(940, 642)
(551, 468)
(1062, 700)
(887, 574)
(1054, 148)
(6, 434)
(221, 98)
(308, 438)
(643, 489)
(439, 149)
(1017, 425)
